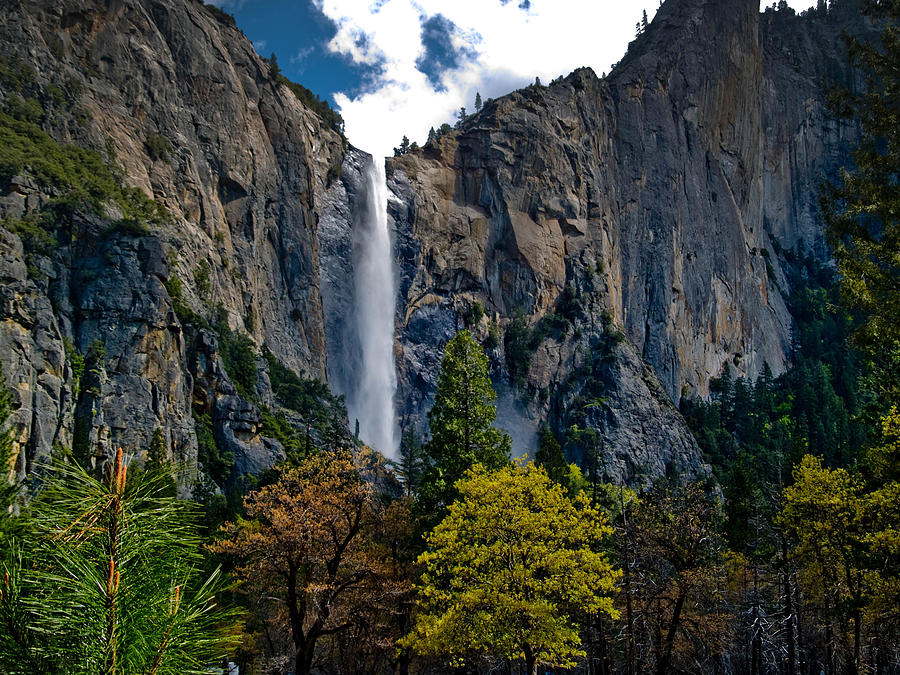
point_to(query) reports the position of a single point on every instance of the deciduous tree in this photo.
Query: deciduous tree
(676, 554)
(309, 551)
(509, 568)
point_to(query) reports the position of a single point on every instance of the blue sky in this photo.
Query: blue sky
(395, 67)
(298, 33)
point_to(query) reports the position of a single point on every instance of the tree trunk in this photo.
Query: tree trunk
(530, 661)
(304, 643)
(629, 611)
(662, 666)
(303, 659)
(788, 609)
(829, 639)
(403, 664)
(756, 650)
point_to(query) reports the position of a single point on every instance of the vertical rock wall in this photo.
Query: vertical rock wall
(658, 198)
(177, 99)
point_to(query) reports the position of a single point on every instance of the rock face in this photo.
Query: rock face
(652, 202)
(622, 234)
(177, 98)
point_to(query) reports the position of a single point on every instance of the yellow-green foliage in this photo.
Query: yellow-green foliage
(83, 175)
(848, 539)
(822, 510)
(509, 568)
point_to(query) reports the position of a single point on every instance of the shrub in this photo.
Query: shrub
(216, 462)
(24, 109)
(276, 425)
(473, 313)
(158, 146)
(36, 230)
(220, 15)
(493, 337)
(334, 173)
(85, 180)
(96, 356)
(319, 106)
(75, 359)
(15, 74)
(518, 342)
(129, 227)
(568, 305)
(184, 313)
(309, 397)
(201, 277)
(238, 353)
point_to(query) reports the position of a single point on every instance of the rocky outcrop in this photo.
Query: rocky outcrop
(652, 202)
(803, 142)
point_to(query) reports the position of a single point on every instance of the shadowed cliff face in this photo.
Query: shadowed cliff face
(182, 104)
(657, 198)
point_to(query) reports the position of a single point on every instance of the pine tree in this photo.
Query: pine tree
(411, 464)
(478, 103)
(432, 135)
(550, 457)
(863, 209)
(108, 581)
(461, 423)
(274, 69)
(404, 147)
(461, 117)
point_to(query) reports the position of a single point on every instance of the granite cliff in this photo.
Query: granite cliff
(653, 202)
(614, 241)
(174, 96)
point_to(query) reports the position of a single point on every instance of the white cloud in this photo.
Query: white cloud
(511, 47)
(227, 5)
(301, 56)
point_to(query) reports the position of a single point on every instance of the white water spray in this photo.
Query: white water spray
(372, 402)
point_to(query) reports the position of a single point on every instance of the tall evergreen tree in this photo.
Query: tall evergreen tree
(461, 423)
(550, 456)
(411, 464)
(863, 208)
(461, 117)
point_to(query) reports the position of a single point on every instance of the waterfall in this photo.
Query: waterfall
(371, 400)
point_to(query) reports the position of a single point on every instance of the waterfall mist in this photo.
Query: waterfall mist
(371, 400)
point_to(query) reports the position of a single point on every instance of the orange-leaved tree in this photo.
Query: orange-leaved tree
(311, 551)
